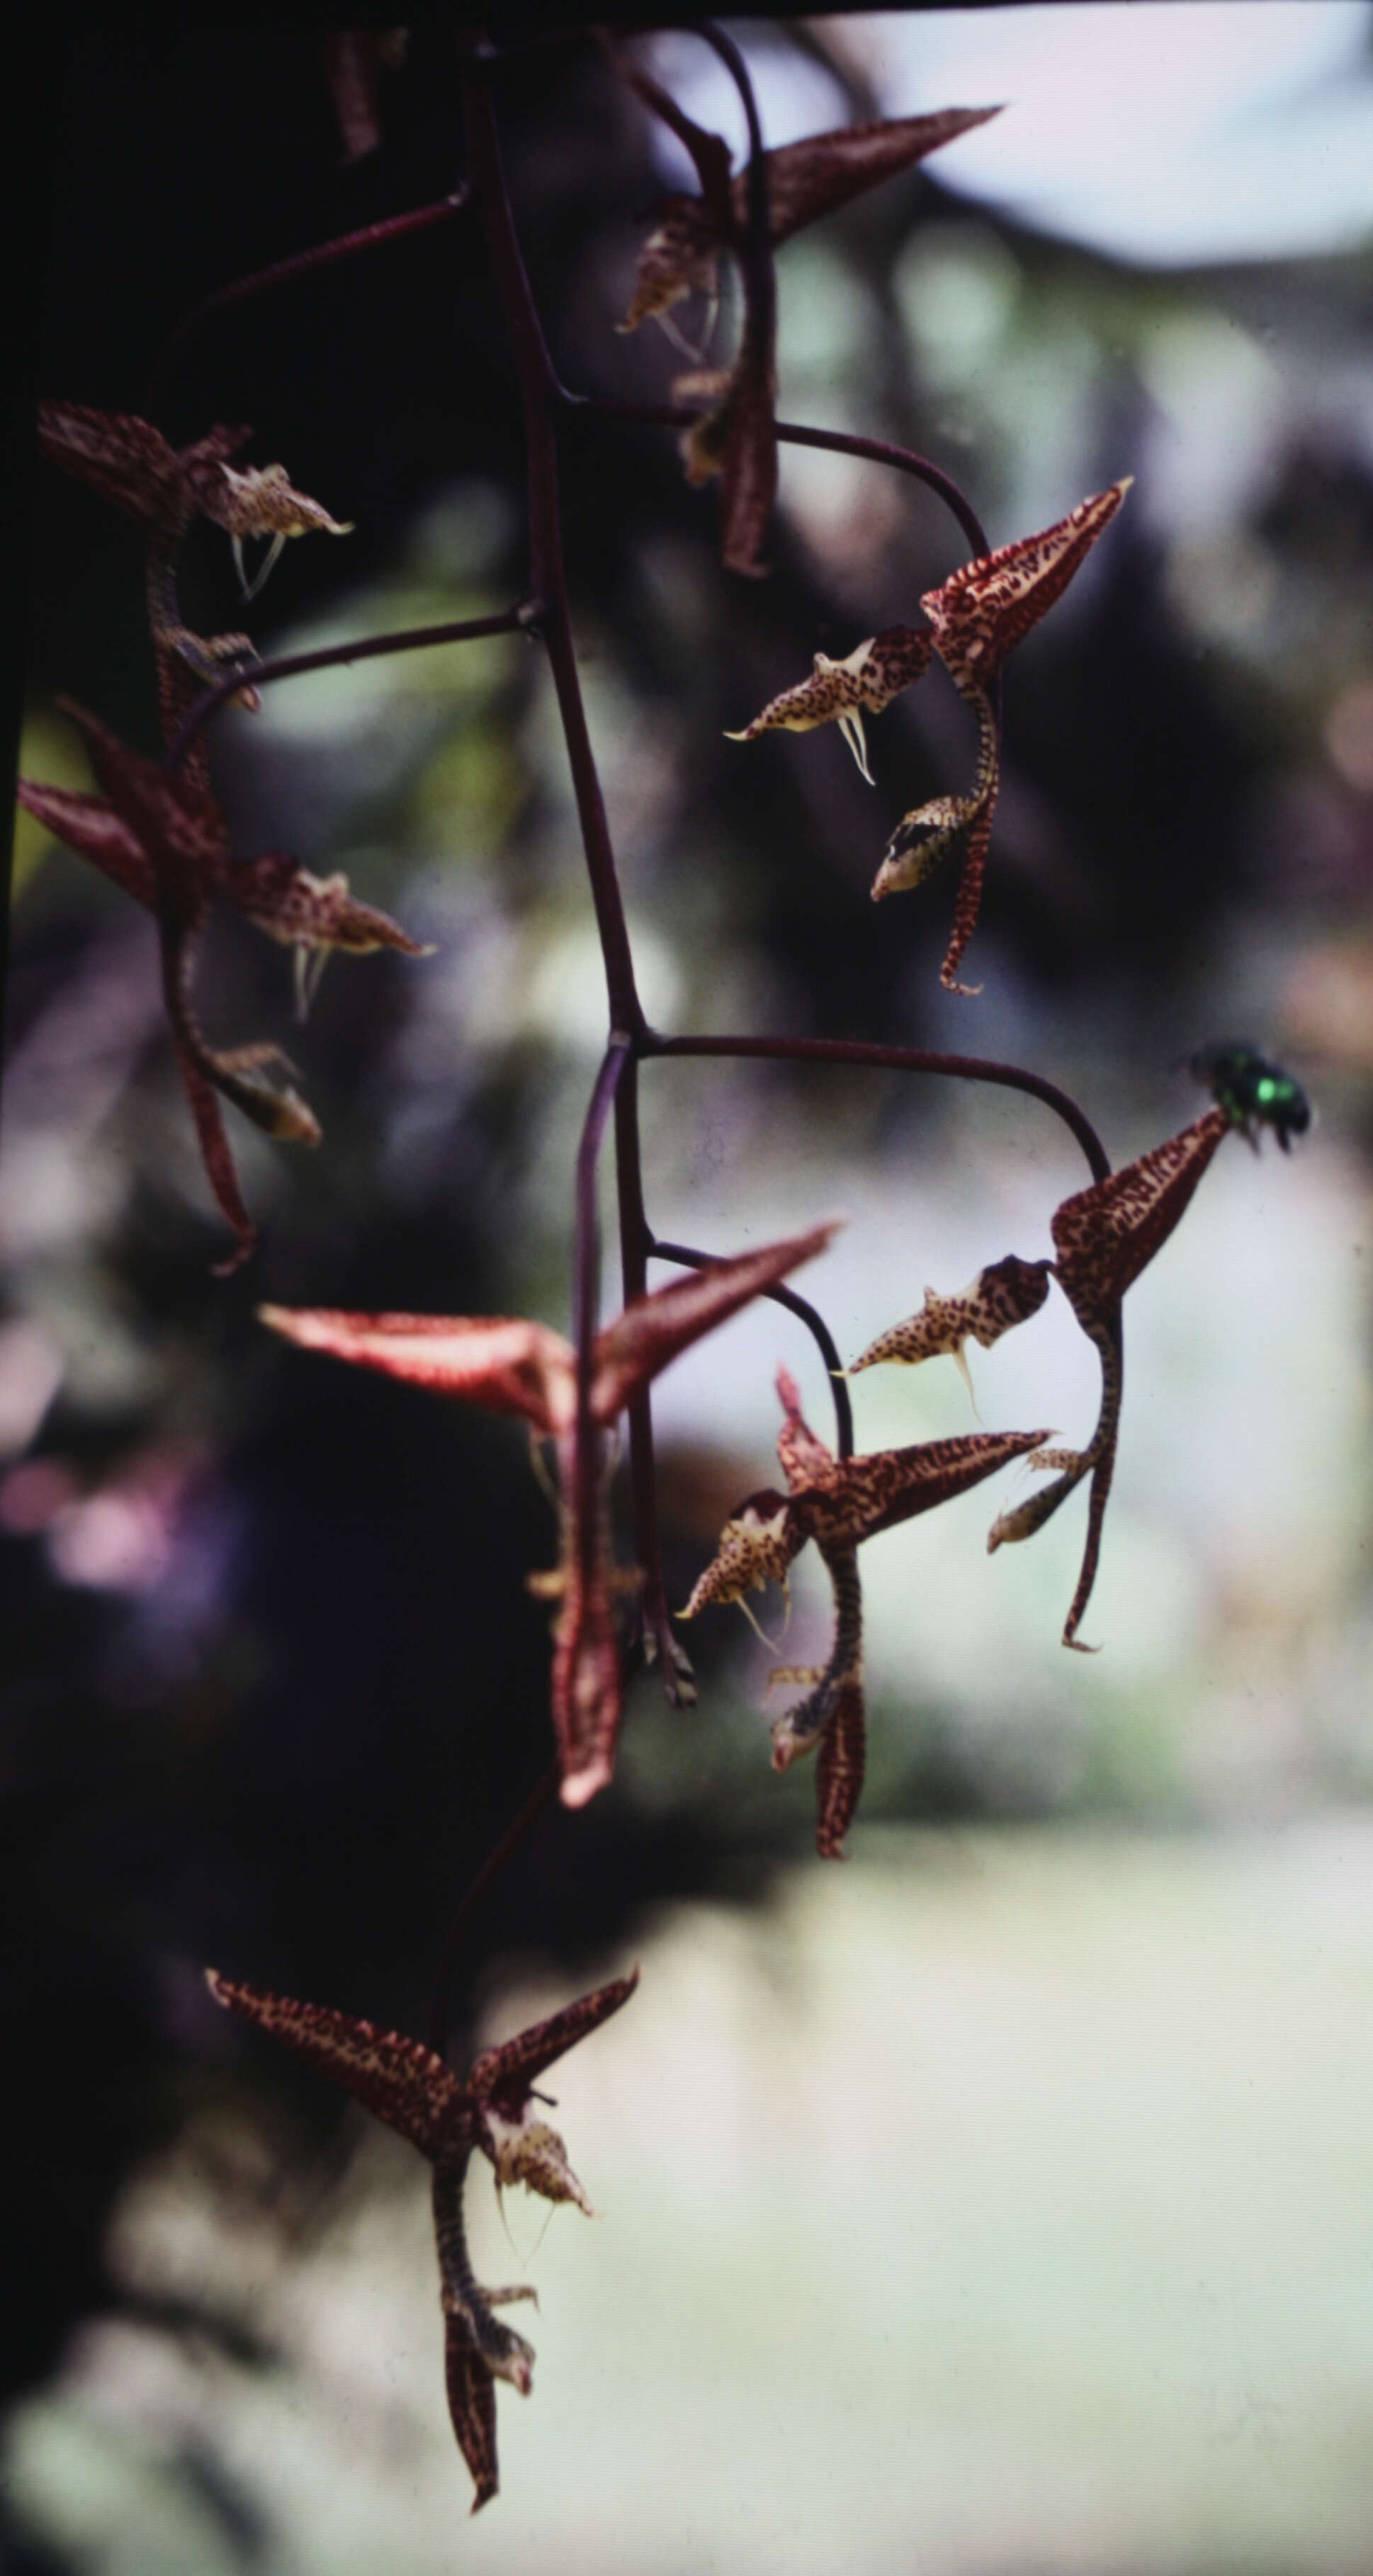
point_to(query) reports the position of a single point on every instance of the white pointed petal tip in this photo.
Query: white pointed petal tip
(581, 1786)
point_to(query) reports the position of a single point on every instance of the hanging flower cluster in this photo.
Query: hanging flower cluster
(511, 1365)
(735, 436)
(410, 2088)
(1103, 1237)
(159, 833)
(974, 620)
(164, 489)
(838, 1503)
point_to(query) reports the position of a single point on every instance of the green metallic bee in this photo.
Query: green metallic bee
(1252, 1091)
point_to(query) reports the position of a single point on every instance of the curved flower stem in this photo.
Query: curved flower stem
(585, 1284)
(894, 1059)
(837, 442)
(904, 460)
(367, 648)
(734, 63)
(809, 1315)
(441, 2002)
(636, 1243)
(754, 253)
(284, 272)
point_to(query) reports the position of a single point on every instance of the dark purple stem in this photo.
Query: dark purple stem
(892, 1059)
(586, 1265)
(367, 648)
(547, 576)
(284, 272)
(636, 1243)
(838, 442)
(754, 252)
(510, 1841)
(809, 1315)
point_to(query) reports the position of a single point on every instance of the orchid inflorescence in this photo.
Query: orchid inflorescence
(157, 831)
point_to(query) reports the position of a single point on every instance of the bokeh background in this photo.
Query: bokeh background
(999, 2200)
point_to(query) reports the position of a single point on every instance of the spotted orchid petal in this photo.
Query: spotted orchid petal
(517, 1366)
(1103, 1237)
(406, 2085)
(988, 605)
(925, 838)
(838, 1502)
(806, 181)
(866, 680)
(1006, 1293)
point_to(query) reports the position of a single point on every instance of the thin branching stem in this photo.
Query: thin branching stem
(363, 648)
(895, 1059)
(542, 398)
(792, 433)
(285, 272)
(809, 1315)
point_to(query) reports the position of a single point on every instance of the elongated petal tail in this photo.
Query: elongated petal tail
(399, 2079)
(801, 1727)
(805, 181)
(736, 439)
(471, 2409)
(866, 680)
(652, 1330)
(176, 823)
(218, 1160)
(839, 1773)
(1104, 1236)
(1001, 1296)
(812, 178)
(586, 1689)
(126, 459)
(504, 2074)
(862, 1496)
(501, 1361)
(801, 1454)
(985, 608)
(90, 824)
(925, 838)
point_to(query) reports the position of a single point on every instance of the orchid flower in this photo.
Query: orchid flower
(976, 616)
(735, 437)
(838, 1503)
(410, 2088)
(164, 488)
(1103, 1237)
(512, 1365)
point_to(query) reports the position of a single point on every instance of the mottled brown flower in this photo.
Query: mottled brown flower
(132, 464)
(410, 2088)
(1002, 1295)
(747, 216)
(838, 1502)
(976, 616)
(512, 1365)
(1103, 1237)
(161, 836)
